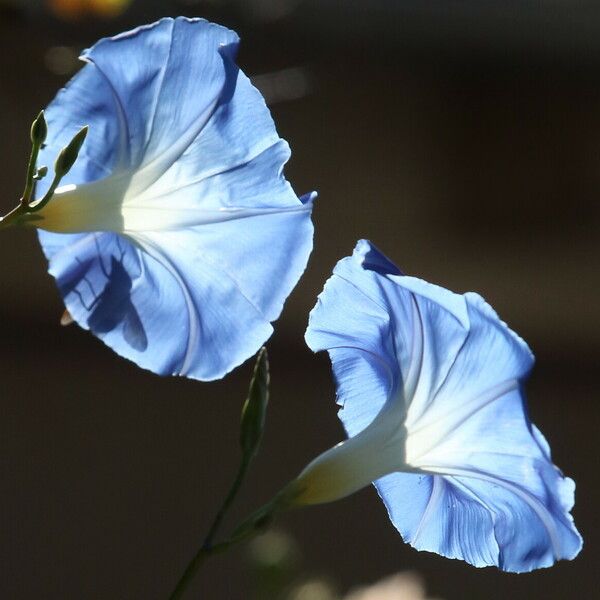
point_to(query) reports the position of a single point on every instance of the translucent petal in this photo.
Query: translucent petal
(72, 108)
(362, 309)
(432, 515)
(186, 169)
(166, 80)
(143, 94)
(264, 253)
(233, 145)
(185, 130)
(141, 304)
(485, 518)
(478, 483)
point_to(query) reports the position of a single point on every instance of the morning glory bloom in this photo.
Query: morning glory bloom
(175, 238)
(430, 385)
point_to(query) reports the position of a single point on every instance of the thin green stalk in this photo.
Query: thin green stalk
(190, 573)
(233, 491)
(251, 429)
(207, 547)
(29, 182)
(12, 216)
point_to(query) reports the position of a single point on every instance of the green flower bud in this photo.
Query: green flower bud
(255, 408)
(39, 130)
(68, 155)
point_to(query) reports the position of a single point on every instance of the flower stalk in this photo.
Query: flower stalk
(25, 210)
(39, 131)
(251, 431)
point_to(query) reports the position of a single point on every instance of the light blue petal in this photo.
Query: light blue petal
(487, 520)
(204, 304)
(346, 319)
(75, 106)
(145, 94)
(236, 146)
(264, 254)
(166, 79)
(431, 514)
(168, 107)
(141, 304)
(480, 484)
(360, 308)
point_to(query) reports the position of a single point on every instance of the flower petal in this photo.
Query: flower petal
(151, 86)
(360, 309)
(181, 123)
(73, 107)
(487, 520)
(479, 484)
(211, 237)
(141, 304)
(235, 144)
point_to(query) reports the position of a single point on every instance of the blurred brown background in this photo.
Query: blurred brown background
(462, 137)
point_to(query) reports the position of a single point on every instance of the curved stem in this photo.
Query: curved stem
(251, 428)
(47, 196)
(233, 491)
(12, 217)
(207, 547)
(25, 210)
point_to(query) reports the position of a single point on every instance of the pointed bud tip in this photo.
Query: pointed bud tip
(255, 407)
(262, 357)
(39, 130)
(68, 155)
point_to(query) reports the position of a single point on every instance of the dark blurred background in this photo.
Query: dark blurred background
(462, 137)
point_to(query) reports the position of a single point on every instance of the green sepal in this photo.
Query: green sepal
(40, 173)
(254, 410)
(256, 523)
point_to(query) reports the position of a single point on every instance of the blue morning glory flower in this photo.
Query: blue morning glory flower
(430, 385)
(175, 238)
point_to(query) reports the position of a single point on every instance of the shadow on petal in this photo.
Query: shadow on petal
(111, 305)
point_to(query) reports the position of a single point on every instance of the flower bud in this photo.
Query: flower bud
(68, 155)
(39, 130)
(255, 408)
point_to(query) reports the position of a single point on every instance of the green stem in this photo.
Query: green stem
(47, 196)
(233, 491)
(207, 547)
(26, 209)
(190, 573)
(17, 216)
(29, 182)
